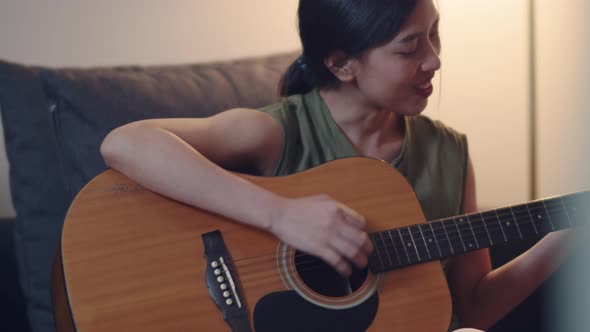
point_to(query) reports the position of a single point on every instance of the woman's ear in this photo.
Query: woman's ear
(341, 65)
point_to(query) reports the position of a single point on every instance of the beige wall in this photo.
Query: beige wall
(112, 32)
(563, 96)
(564, 137)
(485, 92)
(484, 72)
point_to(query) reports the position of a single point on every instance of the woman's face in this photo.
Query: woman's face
(397, 76)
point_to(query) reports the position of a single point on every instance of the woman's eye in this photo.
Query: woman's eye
(408, 53)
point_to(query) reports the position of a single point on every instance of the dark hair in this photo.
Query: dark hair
(350, 26)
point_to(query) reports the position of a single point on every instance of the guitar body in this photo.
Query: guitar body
(132, 260)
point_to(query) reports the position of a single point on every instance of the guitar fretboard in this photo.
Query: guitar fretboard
(447, 237)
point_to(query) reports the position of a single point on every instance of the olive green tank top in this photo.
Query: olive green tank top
(433, 157)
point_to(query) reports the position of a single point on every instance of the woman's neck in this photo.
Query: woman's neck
(373, 132)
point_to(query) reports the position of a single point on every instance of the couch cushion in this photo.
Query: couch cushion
(90, 103)
(55, 120)
(38, 193)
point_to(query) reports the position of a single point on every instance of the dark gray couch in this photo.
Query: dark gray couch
(54, 121)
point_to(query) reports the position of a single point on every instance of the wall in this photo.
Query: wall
(110, 32)
(484, 80)
(563, 79)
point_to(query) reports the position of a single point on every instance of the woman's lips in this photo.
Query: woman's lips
(424, 90)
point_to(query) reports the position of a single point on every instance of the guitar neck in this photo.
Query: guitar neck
(440, 239)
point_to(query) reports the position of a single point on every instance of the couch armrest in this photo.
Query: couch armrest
(12, 304)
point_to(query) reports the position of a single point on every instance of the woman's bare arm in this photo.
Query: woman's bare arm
(483, 296)
(181, 159)
(177, 158)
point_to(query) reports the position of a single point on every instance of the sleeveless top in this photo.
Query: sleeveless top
(433, 157)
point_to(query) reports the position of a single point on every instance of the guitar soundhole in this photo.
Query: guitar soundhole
(323, 279)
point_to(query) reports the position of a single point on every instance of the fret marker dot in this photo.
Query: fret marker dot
(539, 217)
(430, 240)
(409, 244)
(470, 245)
(508, 223)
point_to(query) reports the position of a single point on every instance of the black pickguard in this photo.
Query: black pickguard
(288, 312)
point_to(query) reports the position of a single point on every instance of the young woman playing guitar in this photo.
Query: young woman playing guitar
(364, 77)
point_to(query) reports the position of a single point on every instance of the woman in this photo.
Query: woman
(358, 89)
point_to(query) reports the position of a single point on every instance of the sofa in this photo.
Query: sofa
(54, 120)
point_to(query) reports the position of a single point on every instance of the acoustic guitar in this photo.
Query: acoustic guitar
(132, 260)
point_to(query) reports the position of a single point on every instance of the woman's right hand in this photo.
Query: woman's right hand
(322, 227)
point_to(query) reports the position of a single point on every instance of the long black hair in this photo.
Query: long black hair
(350, 26)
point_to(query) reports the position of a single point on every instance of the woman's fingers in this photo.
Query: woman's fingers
(337, 261)
(349, 251)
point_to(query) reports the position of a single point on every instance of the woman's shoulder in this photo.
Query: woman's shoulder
(435, 138)
(290, 103)
(290, 110)
(426, 127)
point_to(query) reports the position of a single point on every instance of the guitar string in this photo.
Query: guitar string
(478, 230)
(438, 235)
(315, 263)
(483, 215)
(312, 262)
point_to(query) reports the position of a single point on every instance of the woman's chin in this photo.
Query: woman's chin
(416, 108)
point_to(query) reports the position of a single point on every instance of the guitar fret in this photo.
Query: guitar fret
(421, 245)
(404, 246)
(480, 230)
(414, 242)
(549, 216)
(399, 259)
(377, 252)
(487, 231)
(459, 233)
(559, 214)
(493, 226)
(466, 233)
(524, 221)
(473, 232)
(541, 218)
(435, 240)
(425, 245)
(515, 222)
(556, 214)
(448, 238)
(451, 236)
(508, 224)
(501, 227)
(566, 213)
(579, 207)
(386, 248)
(532, 220)
(454, 236)
(441, 238)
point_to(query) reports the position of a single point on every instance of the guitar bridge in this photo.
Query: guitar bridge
(222, 283)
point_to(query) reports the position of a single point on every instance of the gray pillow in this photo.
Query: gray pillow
(87, 104)
(55, 119)
(38, 192)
